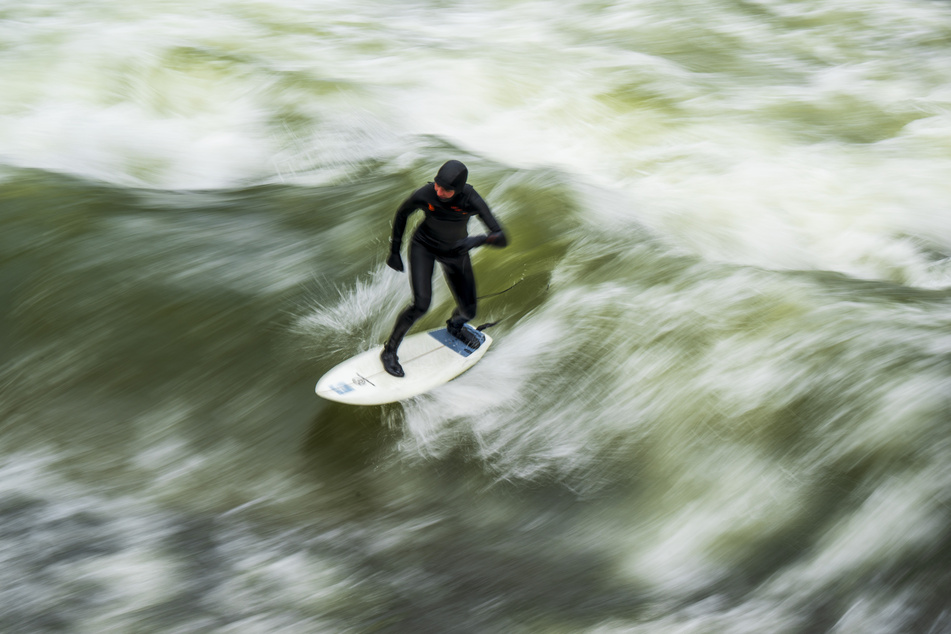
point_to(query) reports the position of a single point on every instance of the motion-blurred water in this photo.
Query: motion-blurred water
(719, 396)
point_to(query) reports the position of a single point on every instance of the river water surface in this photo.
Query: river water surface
(718, 397)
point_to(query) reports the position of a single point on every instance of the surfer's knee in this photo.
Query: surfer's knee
(418, 308)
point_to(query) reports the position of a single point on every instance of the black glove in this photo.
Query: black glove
(395, 262)
(497, 239)
(467, 244)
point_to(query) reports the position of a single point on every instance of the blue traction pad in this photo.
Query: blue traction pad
(443, 337)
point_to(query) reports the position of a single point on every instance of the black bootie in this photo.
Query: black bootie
(391, 362)
(463, 334)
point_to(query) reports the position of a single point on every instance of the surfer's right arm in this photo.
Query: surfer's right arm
(411, 204)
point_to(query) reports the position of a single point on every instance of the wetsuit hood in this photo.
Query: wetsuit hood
(452, 175)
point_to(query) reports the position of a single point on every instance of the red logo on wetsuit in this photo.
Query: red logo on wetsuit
(453, 207)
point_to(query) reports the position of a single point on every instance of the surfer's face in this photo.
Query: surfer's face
(443, 193)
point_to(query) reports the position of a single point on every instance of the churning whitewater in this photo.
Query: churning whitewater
(719, 393)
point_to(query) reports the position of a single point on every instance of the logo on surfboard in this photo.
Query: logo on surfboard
(343, 388)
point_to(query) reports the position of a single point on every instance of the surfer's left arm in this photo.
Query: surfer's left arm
(496, 236)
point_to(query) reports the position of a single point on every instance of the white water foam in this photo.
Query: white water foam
(715, 162)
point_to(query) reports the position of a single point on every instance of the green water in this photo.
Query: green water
(719, 393)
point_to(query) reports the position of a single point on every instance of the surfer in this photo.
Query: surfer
(442, 237)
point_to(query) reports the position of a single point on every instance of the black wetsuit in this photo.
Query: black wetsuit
(441, 237)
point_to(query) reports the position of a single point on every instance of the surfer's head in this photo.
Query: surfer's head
(450, 179)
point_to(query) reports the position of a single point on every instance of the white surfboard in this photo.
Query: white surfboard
(429, 360)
